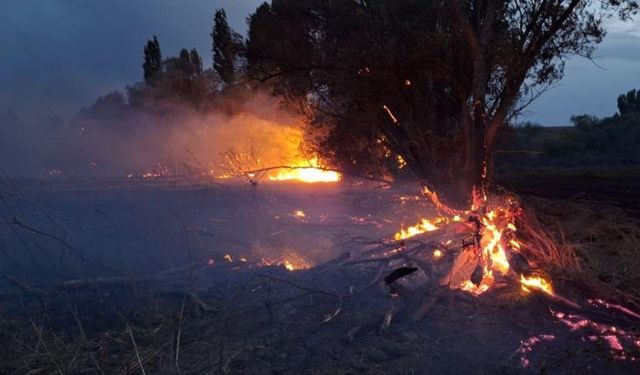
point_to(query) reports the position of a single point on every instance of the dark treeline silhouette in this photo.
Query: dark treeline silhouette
(434, 82)
(590, 142)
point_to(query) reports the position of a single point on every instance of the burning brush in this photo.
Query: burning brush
(470, 250)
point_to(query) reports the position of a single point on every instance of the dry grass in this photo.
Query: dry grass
(593, 243)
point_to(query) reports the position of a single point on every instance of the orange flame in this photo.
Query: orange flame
(425, 225)
(536, 282)
(496, 231)
(307, 171)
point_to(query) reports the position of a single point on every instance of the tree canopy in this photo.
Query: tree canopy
(432, 82)
(629, 103)
(152, 60)
(227, 46)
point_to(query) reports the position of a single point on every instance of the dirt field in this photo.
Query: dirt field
(156, 292)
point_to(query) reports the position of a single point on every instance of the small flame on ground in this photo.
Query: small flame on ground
(425, 225)
(291, 261)
(537, 283)
(307, 171)
(299, 214)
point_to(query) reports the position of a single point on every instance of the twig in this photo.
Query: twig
(135, 347)
(44, 344)
(179, 332)
(74, 312)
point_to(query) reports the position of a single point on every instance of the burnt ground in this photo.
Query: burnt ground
(149, 297)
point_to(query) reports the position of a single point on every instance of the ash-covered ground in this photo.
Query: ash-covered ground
(160, 276)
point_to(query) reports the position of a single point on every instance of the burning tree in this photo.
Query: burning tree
(430, 83)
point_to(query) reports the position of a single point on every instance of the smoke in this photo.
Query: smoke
(115, 139)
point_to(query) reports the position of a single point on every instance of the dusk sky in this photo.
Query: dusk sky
(57, 56)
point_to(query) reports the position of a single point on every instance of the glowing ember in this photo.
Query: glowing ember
(401, 162)
(307, 171)
(527, 346)
(392, 117)
(437, 254)
(535, 282)
(228, 258)
(299, 214)
(622, 344)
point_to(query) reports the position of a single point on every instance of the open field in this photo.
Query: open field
(155, 291)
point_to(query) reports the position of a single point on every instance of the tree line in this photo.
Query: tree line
(429, 82)
(590, 142)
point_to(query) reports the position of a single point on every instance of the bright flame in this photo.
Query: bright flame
(425, 225)
(536, 282)
(493, 239)
(307, 171)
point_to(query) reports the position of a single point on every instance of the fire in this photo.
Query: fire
(307, 171)
(536, 282)
(493, 240)
(292, 262)
(425, 225)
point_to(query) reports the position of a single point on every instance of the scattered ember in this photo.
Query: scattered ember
(526, 347)
(607, 305)
(228, 258)
(401, 162)
(299, 214)
(291, 261)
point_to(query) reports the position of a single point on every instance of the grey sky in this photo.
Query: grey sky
(59, 55)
